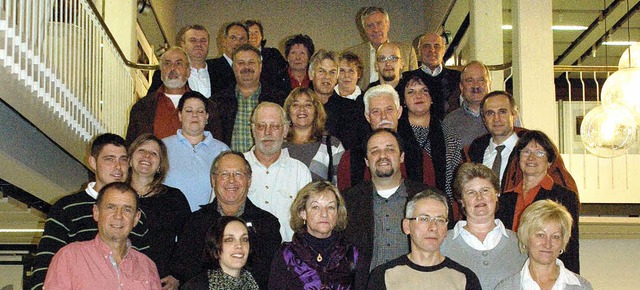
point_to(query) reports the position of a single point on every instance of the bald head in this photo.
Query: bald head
(431, 50)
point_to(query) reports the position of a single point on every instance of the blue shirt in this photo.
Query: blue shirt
(189, 166)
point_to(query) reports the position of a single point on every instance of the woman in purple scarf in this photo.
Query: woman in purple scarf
(319, 256)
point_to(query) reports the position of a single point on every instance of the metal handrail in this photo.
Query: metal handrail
(126, 61)
(556, 68)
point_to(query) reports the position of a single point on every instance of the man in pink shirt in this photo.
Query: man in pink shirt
(108, 261)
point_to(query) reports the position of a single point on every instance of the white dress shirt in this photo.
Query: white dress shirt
(565, 278)
(490, 153)
(199, 81)
(274, 188)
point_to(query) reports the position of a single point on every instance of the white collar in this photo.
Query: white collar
(229, 60)
(490, 241)
(90, 191)
(508, 143)
(434, 72)
(565, 278)
(352, 96)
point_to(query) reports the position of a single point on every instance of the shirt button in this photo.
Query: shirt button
(485, 254)
(388, 245)
(486, 263)
(267, 171)
(290, 196)
(266, 201)
(266, 186)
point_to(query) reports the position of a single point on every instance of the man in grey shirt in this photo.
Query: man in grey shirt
(475, 83)
(375, 207)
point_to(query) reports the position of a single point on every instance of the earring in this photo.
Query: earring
(561, 251)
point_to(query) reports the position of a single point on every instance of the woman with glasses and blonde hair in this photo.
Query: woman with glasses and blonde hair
(307, 140)
(481, 242)
(544, 232)
(536, 153)
(319, 256)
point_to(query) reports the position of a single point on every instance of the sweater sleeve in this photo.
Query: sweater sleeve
(54, 237)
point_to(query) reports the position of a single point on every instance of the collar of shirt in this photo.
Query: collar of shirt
(205, 142)
(467, 110)
(490, 241)
(255, 94)
(400, 190)
(546, 183)
(221, 212)
(565, 278)
(281, 161)
(90, 191)
(509, 143)
(352, 96)
(108, 252)
(433, 73)
(229, 60)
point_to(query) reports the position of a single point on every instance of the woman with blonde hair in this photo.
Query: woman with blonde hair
(307, 139)
(543, 233)
(319, 256)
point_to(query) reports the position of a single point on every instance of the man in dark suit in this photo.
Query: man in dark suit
(236, 102)
(194, 39)
(235, 35)
(446, 93)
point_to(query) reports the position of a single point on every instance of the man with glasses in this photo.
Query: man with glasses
(388, 65)
(426, 224)
(495, 150)
(236, 102)
(277, 176)
(375, 206)
(231, 177)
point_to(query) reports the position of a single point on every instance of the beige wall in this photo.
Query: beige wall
(166, 13)
(331, 24)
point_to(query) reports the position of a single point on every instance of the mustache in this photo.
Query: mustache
(476, 90)
(384, 122)
(383, 159)
(247, 70)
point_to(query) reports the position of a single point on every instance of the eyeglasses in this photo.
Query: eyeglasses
(263, 126)
(391, 58)
(426, 220)
(225, 175)
(538, 153)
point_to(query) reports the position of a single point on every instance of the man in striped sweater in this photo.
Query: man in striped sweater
(70, 218)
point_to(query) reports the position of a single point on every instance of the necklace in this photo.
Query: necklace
(319, 258)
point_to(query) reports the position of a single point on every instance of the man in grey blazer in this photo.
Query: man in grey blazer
(375, 21)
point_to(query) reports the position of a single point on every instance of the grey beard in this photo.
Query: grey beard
(174, 83)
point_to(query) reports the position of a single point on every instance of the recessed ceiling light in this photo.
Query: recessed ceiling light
(555, 27)
(619, 43)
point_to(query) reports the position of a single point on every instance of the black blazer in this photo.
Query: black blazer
(221, 76)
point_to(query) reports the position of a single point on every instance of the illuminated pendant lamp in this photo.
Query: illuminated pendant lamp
(611, 129)
(608, 131)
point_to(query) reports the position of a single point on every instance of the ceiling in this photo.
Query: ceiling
(606, 20)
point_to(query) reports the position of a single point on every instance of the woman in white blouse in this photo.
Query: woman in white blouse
(543, 233)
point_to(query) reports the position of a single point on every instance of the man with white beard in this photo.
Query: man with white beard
(276, 177)
(156, 113)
